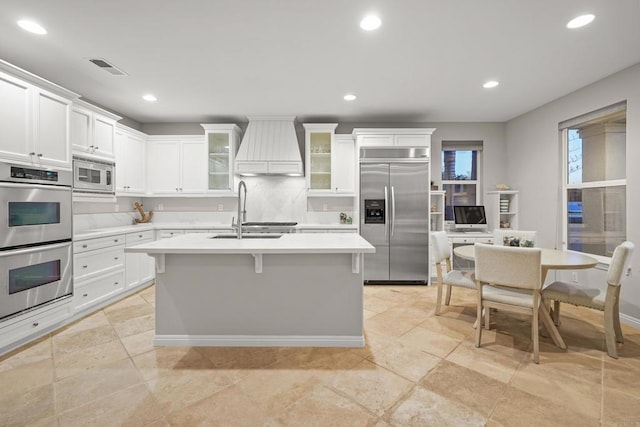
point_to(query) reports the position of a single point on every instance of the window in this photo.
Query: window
(460, 174)
(594, 181)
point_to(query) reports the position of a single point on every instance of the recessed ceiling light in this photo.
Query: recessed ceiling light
(490, 84)
(580, 21)
(349, 97)
(32, 27)
(149, 98)
(370, 23)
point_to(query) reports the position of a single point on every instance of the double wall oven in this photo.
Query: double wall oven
(35, 237)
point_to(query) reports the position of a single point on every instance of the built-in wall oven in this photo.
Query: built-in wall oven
(35, 237)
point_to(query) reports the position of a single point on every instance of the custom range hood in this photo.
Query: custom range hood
(269, 147)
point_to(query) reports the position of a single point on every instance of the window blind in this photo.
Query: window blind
(462, 145)
(597, 114)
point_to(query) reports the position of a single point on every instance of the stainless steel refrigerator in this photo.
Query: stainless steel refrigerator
(394, 213)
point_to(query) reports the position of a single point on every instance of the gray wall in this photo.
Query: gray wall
(534, 154)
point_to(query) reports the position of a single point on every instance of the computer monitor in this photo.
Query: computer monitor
(470, 217)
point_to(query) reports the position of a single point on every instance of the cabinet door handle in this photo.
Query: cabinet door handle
(96, 147)
(116, 258)
(32, 153)
(39, 154)
(115, 283)
(140, 235)
(84, 266)
(84, 246)
(35, 324)
(85, 295)
(115, 240)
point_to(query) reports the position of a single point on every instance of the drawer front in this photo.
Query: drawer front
(100, 261)
(467, 240)
(99, 243)
(485, 240)
(97, 290)
(32, 324)
(138, 237)
(166, 234)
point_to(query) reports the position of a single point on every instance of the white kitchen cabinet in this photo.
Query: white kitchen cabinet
(222, 145)
(139, 268)
(130, 151)
(400, 137)
(502, 209)
(167, 234)
(35, 323)
(34, 123)
(330, 161)
(99, 271)
(176, 165)
(93, 130)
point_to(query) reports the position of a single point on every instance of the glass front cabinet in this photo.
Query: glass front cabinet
(222, 145)
(330, 160)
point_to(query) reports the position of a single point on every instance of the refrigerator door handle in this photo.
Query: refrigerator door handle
(386, 210)
(393, 210)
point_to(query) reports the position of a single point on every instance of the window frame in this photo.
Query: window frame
(591, 184)
(477, 182)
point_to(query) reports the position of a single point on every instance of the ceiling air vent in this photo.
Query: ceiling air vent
(110, 68)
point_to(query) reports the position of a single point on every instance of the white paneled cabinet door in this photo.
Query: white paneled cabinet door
(343, 164)
(103, 135)
(194, 167)
(80, 129)
(134, 152)
(15, 97)
(163, 163)
(52, 132)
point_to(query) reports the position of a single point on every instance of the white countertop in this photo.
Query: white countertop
(292, 243)
(110, 231)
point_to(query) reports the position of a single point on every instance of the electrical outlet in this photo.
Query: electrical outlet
(220, 207)
(629, 272)
(574, 277)
(324, 207)
(160, 206)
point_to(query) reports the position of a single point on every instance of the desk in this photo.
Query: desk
(551, 259)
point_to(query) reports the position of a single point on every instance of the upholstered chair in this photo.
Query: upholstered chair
(522, 238)
(442, 253)
(606, 300)
(508, 278)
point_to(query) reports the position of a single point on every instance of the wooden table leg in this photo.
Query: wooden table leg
(546, 317)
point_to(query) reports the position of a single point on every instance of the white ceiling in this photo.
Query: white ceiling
(218, 60)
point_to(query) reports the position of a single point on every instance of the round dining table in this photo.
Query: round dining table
(551, 259)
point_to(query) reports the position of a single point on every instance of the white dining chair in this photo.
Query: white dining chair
(449, 278)
(606, 300)
(508, 278)
(523, 238)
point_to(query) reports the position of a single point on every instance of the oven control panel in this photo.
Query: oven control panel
(36, 174)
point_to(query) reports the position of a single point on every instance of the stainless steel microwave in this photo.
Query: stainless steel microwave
(93, 176)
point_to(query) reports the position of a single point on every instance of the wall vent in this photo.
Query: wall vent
(108, 67)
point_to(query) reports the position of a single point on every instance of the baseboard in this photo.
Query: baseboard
(633, 321)
(258, 341)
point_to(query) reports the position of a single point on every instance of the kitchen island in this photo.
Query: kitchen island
(292, 290)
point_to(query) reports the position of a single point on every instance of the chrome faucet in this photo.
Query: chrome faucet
(242, 210)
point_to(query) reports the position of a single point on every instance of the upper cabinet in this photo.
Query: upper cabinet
(130, 154)
(330, 161)
(34, 118)
(222, 144)
(176, 165)
(93, 130)
(401, 137)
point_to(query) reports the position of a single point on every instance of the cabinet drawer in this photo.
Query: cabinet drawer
(166, 234)
(99, 243)
(94, 291)
(100, 261)
(485, 240)
(138, 237)
(18, 329)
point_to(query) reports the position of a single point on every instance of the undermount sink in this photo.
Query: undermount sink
(247, 236)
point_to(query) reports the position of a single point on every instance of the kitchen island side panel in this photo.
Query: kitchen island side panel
(295, 295)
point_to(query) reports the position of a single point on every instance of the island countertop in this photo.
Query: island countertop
(292, 243)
